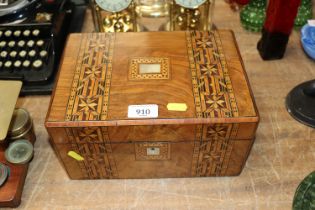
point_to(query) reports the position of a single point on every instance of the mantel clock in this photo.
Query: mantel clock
(191, 15)
(114, 16)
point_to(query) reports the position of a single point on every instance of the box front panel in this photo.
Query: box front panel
(153, 160)
(211, 152)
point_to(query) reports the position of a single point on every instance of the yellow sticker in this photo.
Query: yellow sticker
(75, 156)
(180, 107)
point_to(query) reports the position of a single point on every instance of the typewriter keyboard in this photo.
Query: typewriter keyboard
(26, 53)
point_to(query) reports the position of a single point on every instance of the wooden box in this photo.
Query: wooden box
(103, 74)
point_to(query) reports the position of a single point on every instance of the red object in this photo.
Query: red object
(277, 28)
(242, 2)
(280, 15)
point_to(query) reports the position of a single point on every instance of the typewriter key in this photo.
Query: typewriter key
(13, 54)
(43, 53)
(1, 64)
(8, 33)
(36, 32)
(11, 44)
(19, 152)
(3, 43)
(17, 64)
(30, 43)
(32, 53)
(17, 33)
(26, 33)
(21, 43)
(3, 54)
(8, 64)
(37, 64)
(4, 173)
(22, 54)
(26, 63)
(40, 43)
(1, 33)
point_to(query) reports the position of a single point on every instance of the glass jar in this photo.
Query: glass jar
(152, 14)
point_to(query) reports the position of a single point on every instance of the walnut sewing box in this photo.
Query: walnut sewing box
(205, 120)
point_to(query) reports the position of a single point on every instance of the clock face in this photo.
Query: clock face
(191, 4)
(113, 5)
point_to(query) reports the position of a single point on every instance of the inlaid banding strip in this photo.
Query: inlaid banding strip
(212, 88)
(214, 98)
(89, 95)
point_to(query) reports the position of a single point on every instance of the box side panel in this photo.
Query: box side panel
(57, 136)
(246, 131)
(220, 157)
(71, 165)
(237, 74)
(240, 152)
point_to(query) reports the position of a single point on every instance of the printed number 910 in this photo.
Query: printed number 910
(143, 111)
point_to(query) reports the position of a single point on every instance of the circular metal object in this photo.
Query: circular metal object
(20, 124)
(4, 173)
(191, 4)
(19, 152)
(300, 103)
(113, 6)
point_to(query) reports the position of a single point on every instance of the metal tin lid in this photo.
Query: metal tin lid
(4, 173)
(20, 123)
(9, 92)
(19, 152)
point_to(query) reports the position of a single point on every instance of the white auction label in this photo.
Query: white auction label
(143, 111)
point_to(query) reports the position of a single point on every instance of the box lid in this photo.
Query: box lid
(103, 74)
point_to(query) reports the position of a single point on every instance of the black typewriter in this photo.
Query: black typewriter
(32, 37)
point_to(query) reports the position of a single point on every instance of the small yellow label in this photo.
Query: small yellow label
(180, 107)
(75, 156)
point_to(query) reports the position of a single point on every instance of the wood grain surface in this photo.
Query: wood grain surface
(202, 70)
(11, 191)
(283, 153)
(97, 72)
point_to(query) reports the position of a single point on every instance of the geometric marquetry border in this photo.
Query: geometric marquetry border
(93, 144)
(214, 98)
(89, 95)
(212, 87)
(212, 149)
